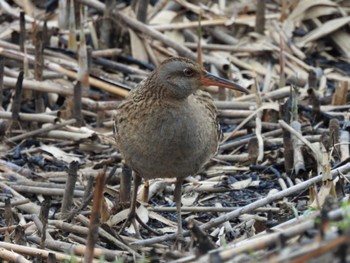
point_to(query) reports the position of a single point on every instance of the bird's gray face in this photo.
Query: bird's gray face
(179, 78)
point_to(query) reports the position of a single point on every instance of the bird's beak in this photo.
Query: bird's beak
(208, 79)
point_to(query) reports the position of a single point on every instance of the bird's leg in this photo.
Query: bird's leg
(137, 182)
(125, 186)
(177, 198)
(132, 212)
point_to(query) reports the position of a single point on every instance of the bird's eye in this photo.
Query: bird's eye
(188, 72)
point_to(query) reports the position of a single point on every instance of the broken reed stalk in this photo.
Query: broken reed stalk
(38, 69)
(40, 226)
(253, 151)
(107, 25)
(282, 81)
(344, 145)
(83, 75)
(285, 114)
(316, 153)
(22, 30)
(20, 235)
(88, 192)
(339, 96)
(95, 217)
(72, 39)
(8, 214)
(44, 214)
(2, 63)
(141, 10)
(334, 132)
(69, 189)
(298, 158)
(260, 17)
(51, 258)
(16, 106)
(258, 127)
(63, 14)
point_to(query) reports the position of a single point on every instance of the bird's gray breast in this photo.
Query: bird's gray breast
(176, 143)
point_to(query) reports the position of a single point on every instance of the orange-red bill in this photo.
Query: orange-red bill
(211, 80)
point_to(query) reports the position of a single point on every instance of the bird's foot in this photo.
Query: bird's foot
(149, 229)
(180, 241)
(131, 219)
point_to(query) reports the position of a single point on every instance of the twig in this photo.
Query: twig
(80, 250)
(39, 117)
(41, 130)
(238, 49)
(44, 191)
(197, 209)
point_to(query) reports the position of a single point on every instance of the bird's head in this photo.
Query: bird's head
(181, 77)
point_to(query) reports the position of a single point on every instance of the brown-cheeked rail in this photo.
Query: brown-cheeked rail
(167, 126)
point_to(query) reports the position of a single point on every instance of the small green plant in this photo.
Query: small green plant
(71, 260)
(344, 224)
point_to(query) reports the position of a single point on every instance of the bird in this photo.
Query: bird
(167, 126)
